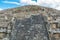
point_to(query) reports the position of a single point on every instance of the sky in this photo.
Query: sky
(6, 4)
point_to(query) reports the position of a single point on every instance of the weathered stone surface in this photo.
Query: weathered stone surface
(33, 28)
(27, 22)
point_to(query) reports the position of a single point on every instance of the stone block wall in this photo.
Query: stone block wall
(33, 28)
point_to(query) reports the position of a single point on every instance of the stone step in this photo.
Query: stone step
(3, 24)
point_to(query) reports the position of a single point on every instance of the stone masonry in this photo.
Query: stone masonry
(30, 22)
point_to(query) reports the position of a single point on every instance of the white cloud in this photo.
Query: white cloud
(23, 1)
(1, 9)
(28, 2)
(11, 2)
(36, 3)
(49, 3)
(58, 8)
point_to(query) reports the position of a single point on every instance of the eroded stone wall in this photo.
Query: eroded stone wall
(33, 28)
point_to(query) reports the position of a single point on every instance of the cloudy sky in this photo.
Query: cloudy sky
(5, 4)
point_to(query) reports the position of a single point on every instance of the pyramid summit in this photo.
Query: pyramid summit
(30, 22)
